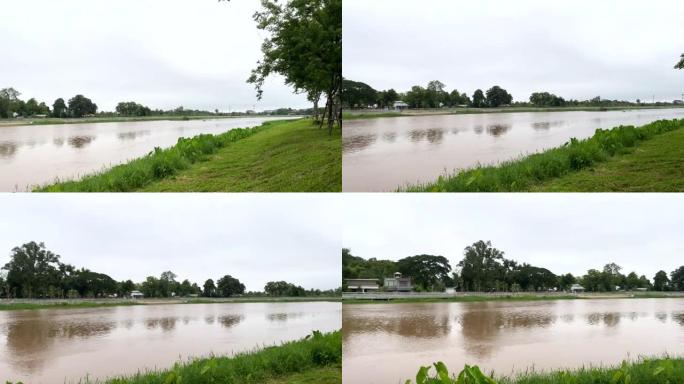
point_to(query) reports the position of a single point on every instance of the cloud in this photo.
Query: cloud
(163, 54)
(615, 49)
(254, 237)
(562, 232)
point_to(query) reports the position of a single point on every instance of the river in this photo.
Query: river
(388, 343)
(383, 154)
(64, 345)
(33, 155)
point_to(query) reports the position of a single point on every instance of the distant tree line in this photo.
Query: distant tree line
(36, 272)
(484, 268)
(80, 106)
(435, 95)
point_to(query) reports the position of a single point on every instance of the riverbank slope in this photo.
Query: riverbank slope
(665, 370)
(647, 158)
(277, 156)
(314, 359)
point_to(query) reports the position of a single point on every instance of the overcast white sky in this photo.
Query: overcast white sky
(562, 232)
(618, 49)
(254, 237)
(162, 53)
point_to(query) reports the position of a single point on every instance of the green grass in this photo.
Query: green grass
(291, 157)
(62, 304)
(657, 165)
(664, 370)
(292, 362)
(327, 375)
(529, 172)
(276, 156)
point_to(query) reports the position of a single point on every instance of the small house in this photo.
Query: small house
(400, 106)
(362, 285)
(576, 288)
(398, 283)
(136, 295)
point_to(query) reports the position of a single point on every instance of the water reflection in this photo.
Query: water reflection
(359, 142)
(505, 337)
(29, 341)
(166, 324)
(49, 346)
(7, 149)
(462, 141)
(132, 135)
(284, 316)
(80, 141)
(34, 155)
(229, 321)
(497, 130)
(389, 137)
(546, 125)
(58, 142)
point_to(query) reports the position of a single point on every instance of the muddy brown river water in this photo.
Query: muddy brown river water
(385, 153)
(33, 155)
(387, 343)
(64, 345)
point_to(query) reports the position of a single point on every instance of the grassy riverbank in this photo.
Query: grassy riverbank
(111, 119)
(20, 304)
(515, 297)
(664, 370)
(371, 114)
(531, 172)
(318, 356)
(656, 165)
(276, 156)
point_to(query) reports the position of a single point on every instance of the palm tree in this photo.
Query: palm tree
(680, 65)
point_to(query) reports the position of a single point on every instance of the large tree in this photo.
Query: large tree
(305, 47)
(59, 108)
(209, 289)
(33, 271)
(356, 94)
(680, 64)
(497, 96)
(677, 279)
(425, 270)
(228, 286)
(80, 106)
(479, 100)
(283, 288)
(481, 266)
(660, 281)
(9, 102)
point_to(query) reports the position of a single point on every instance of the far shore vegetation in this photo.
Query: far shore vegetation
(316, 358)
(484, 269)
(361, 114)
(38, 274)
(360, 96)
(629, 167)
(659, 370)
(80, 109)
(277, 156)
